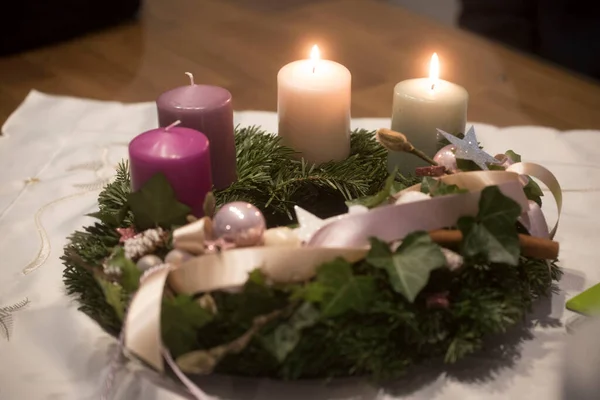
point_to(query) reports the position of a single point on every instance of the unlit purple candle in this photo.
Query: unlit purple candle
(207, 109)
(182, 155)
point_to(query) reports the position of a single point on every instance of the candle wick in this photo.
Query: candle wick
(191, 78)
(172, 125)
(314, 67)
(432, 86)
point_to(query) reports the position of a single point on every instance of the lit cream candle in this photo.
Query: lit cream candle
(421, 106)
(313, 106)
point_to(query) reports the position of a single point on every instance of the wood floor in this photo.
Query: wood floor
(241, 44)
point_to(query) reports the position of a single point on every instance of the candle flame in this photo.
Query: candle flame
(434, 70)
(315, 56)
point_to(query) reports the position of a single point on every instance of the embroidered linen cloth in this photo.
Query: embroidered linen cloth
(56, 153)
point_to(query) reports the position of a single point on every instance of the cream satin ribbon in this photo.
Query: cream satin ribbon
(214, 272)
(548, 179)
(345, 238)
(393, 222)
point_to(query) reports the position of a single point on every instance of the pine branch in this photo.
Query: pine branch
(273, 181)
(382, 343)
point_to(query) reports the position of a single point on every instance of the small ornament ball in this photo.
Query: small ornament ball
(446, 158)
(240, 223)
(147, 262)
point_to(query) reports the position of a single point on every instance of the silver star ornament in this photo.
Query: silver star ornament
(468, 148)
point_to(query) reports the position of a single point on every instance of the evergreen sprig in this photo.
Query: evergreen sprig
(374, 317)
(273, 180)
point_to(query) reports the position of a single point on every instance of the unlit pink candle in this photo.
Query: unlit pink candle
(182, 155)
(207, 109)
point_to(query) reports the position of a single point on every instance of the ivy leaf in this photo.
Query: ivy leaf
(155, 205)
(513, 156)
(410, 265)
(130, 273)
(533, 191)
(343, 291)
(378, 198)
(492, 235)
(257, 277)
(181, 317)
(284, 339)
(313, 292)
(113, 295)
(436, 187)
(256, 298)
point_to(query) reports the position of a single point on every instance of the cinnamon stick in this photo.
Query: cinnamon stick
(535, 247)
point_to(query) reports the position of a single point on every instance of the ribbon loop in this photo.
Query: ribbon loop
(393, 222)
(344, 237)
(548, 179)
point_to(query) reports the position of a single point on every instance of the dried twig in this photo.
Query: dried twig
(204, 361)
(396, 141)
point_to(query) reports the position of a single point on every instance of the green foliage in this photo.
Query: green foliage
(378, 198)
(369, 318)
(273, 181)
(181, 317)
(492, 235)
(533, 191)
(155, 205)
(467, 165)
(513, 156)
(113, 294)
(392, 185)
(85, 250)
(112, 201)
(410, 265)
(436, 187)
(338, 290)
(130, 273)
(284, 339)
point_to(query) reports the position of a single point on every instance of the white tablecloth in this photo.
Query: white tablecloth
(56, 150)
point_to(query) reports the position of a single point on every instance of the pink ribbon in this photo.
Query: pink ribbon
(534, 221)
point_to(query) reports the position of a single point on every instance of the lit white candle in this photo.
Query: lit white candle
(421, 106)
(313, 106)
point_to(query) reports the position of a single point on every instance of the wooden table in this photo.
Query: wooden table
(241, 44)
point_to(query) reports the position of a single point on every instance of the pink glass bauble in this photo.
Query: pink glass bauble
(240, 223)
(446, 157)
